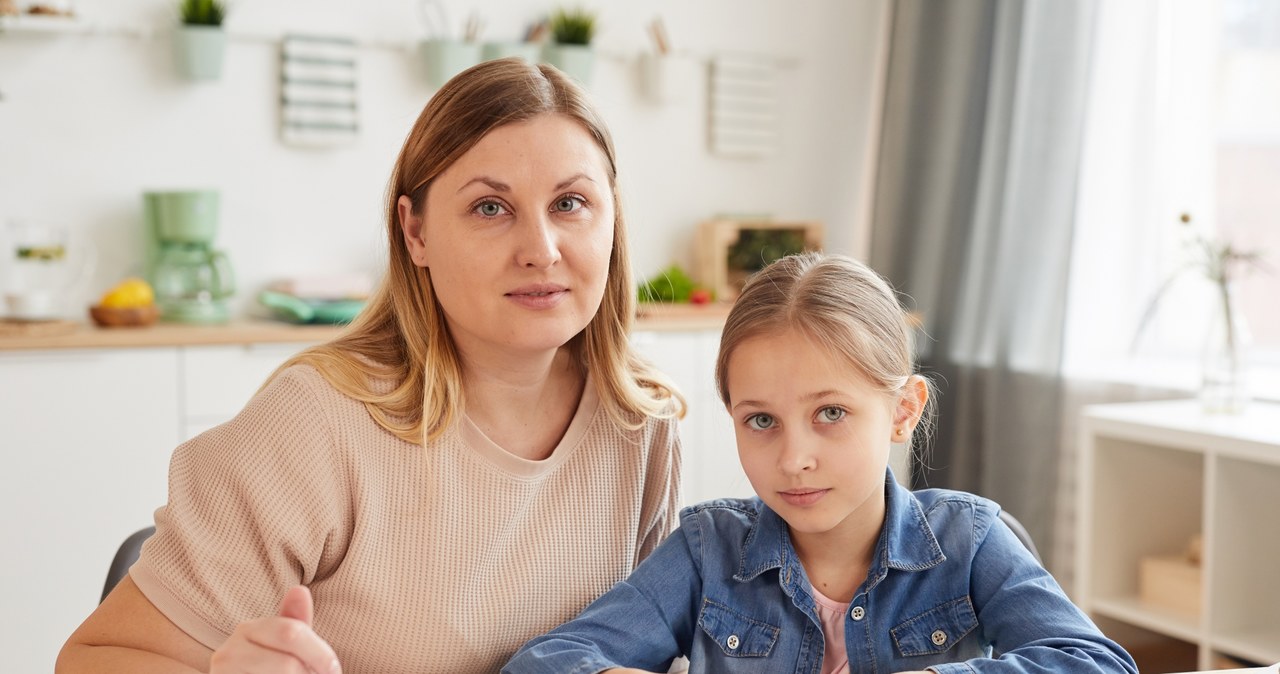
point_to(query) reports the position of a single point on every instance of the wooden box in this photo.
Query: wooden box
(1171, 583)
(720, 242)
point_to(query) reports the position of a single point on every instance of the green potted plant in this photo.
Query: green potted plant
(570, 46)
(200, 41)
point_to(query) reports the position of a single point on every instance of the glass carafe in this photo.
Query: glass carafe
(44, 266)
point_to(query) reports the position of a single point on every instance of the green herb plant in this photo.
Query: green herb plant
(669, 285)
(756, 248)
(573, 26)
(202, 12)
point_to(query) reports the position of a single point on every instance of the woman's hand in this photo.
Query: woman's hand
(281, 643)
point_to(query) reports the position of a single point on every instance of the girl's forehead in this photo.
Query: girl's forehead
(790, 350)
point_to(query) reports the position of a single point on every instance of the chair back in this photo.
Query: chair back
(125, 557)
(1021, 532)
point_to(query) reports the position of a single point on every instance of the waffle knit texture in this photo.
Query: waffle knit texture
(438, 559)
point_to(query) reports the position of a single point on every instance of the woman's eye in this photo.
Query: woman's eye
(490, 209)
(568, 204)
(830, 415)
(760, 422)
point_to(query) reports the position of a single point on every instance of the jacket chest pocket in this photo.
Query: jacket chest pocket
(936, 630)
(735, 634)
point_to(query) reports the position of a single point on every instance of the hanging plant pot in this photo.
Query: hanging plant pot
(575, 60)
(446, 58)
(199, 51)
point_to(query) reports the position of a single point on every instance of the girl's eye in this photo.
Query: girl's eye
(830, 415)
(490, 209)
(568, 204)
(760, 422)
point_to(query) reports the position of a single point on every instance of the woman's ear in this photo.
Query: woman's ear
(411, 225)
(911, 405)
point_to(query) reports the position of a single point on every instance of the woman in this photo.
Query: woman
(476, 458)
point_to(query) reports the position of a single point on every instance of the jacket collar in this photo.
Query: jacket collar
(906, 543)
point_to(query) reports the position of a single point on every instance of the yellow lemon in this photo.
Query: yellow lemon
(131, 292)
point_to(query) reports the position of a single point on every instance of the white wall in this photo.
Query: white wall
(87, 122)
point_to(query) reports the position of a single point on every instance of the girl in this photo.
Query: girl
(834, 567)
(473, 461)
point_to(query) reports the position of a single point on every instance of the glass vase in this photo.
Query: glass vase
(1224, 385)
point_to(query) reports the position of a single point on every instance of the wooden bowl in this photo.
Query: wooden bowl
(132, 317)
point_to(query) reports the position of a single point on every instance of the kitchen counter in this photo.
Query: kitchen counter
(74, 335)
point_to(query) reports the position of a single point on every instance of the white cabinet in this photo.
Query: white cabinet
(87, 436)
(86, 441)
(711, 468)
(1153, 475)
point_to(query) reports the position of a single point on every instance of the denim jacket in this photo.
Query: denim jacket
(949, 587)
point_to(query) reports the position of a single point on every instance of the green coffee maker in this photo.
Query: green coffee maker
(191, 279)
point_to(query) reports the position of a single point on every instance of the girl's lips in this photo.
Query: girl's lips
(803, 497)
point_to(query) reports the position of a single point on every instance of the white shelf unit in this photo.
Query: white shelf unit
(1152, 475)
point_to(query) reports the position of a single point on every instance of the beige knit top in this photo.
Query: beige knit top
(443, 559)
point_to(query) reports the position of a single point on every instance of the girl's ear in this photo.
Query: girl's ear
(411, 225)
(911, 404)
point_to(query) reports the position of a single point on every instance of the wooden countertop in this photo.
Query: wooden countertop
(78, 335)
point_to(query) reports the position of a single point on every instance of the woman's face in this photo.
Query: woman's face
(517, 235)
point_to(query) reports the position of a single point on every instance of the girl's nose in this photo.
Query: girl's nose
(538, 246)
(796, 457)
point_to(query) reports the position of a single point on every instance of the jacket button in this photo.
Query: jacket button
(732, 642)
(858, 613)
(939, 637)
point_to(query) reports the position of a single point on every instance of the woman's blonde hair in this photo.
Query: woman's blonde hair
(838, 302)
(401, 340)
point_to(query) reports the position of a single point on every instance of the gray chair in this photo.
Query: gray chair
(1021, 532)
(125, 557)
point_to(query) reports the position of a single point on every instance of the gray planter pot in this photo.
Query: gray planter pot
(199, 51)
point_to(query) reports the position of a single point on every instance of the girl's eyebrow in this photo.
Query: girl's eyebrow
(808, 397)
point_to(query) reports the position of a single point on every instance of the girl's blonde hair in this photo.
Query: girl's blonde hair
(838, 302)
(397, 357)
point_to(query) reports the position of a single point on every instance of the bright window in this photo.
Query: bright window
(1184, 117)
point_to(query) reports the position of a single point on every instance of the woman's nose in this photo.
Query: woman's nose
(538, 246)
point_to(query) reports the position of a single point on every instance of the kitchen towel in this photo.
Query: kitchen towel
(318, 95)
(744, 106)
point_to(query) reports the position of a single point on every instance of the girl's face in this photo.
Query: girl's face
(813, 436)
(517, 235)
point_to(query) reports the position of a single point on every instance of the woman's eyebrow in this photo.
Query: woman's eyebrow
(499, 186)
(496, 185)
(573, 179)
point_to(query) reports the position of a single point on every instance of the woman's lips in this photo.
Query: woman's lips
(803, 497)
(539, 296)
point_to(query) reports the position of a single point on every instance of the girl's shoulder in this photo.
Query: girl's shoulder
(731, 518)
(954, 510)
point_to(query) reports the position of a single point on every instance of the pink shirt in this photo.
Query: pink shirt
(831, 613)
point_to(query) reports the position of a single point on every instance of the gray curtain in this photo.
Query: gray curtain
(980, 149)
